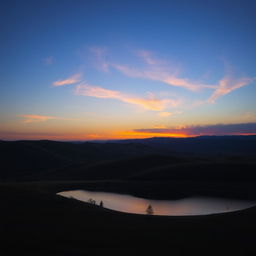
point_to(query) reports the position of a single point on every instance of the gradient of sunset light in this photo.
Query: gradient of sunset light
(88, 70)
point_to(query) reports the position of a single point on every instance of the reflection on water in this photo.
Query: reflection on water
(187, 206)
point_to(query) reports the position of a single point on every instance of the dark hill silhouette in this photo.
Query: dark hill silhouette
(235, 171)
(111, 169)
(23, 158)
(203, 144)
(35, 160)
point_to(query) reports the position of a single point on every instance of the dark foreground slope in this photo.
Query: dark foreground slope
(35, 221)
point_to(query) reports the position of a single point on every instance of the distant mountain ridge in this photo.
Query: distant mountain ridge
(235, 144)
(43, 159)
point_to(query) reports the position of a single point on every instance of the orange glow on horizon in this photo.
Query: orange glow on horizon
(133, 134)
(116, 135)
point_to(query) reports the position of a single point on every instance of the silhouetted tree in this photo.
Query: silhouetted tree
(150, 210)
(101, 204)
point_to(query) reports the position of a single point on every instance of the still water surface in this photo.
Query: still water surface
(187, 206)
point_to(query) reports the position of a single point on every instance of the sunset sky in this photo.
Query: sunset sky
(88, 70)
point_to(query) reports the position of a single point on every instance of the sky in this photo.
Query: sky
(103, 69)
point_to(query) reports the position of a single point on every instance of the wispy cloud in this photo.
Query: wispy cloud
(40, 118)
(186, 83)
(70, 80)
(162, 75)
(229, 84)
(160, 70)
(64, 136)
(100, 58)
(150, 103)
(148, 58)
(196, 130)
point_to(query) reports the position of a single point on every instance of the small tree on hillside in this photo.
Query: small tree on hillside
(101, 204)
(150, 210)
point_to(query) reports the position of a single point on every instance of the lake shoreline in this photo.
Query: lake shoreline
(189, 206)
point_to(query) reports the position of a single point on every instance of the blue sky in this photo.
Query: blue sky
(106, 69)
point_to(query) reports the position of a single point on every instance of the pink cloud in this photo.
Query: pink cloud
(182, 82)
(215, 129)
(40, 118)
(162, 75)
(149, 59)
(196, 130)
(70, 80)
(150, 103)
(159, 70)
(229, 84)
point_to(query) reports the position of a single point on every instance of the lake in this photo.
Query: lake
(181, 207)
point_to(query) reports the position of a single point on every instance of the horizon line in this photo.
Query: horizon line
(144, 138)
